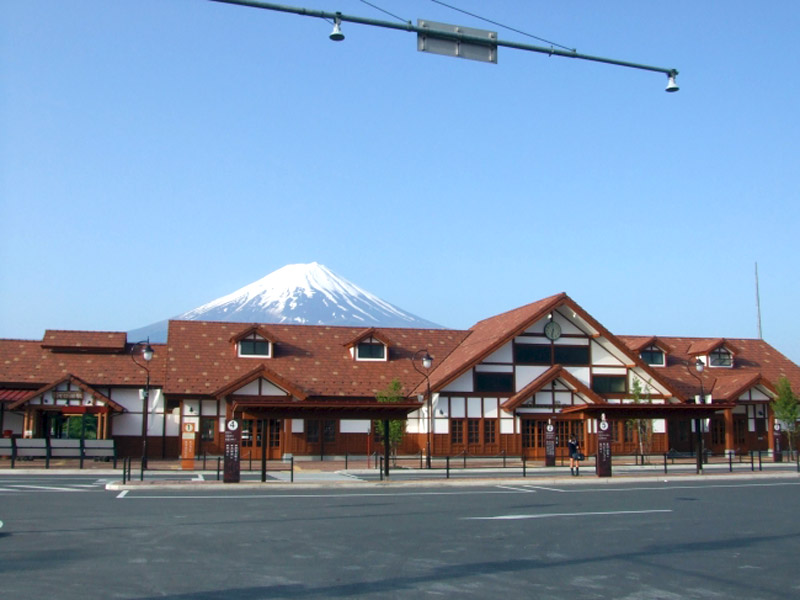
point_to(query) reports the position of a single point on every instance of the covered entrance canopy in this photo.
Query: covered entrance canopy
(647, 411)
(288, 408)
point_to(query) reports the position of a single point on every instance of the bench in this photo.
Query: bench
(6, 447)
(29, 449)
(100, 450)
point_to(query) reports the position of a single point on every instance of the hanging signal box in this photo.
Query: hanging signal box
(454, 40)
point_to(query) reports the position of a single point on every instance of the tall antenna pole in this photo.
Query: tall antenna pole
(758, 305)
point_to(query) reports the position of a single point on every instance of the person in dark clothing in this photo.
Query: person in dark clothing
(574, 449)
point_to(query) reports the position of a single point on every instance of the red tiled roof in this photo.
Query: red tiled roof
(756, 362)
(13, 395)
(25, 363)
(312, 358)
(97, 341)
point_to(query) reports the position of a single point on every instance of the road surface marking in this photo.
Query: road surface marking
(556, 515)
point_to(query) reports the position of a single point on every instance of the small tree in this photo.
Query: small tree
(786, 409)
(397, 427)
(643, 427)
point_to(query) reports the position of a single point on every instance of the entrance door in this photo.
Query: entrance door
(258, 434)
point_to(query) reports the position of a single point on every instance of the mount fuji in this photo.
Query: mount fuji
(308, 294)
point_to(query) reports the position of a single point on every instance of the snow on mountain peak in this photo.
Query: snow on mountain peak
(299, 293)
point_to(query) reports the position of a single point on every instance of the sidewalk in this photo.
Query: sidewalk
(354, 473)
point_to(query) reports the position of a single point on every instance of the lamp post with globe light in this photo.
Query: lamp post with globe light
(426, 361)
(698, 366)
(147, 355)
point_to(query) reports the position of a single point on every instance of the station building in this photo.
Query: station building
(309, 390)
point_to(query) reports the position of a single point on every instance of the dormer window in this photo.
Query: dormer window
(721, 357)
(653, 356)
(370, 349)
(255, 346)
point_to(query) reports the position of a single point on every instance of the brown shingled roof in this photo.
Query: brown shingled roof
(77, 341)
(756, 363)
(311, 358)
(27, 364)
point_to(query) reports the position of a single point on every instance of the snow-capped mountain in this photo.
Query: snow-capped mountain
(304, 294)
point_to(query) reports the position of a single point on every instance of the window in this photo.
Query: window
(629, 429)
(247, 433)
(571, 355)
(371, 349)
(653, 355)
(489, 430)
(254, 345)
(740, 431)
(457, 431)
(474, 431)
(207, 428)
(487, 381)
(532, 354)
(329, 431)
(610, 384)
(717, 431)
(528, 433)
(274, 433)
(720, 358)
(312, 432)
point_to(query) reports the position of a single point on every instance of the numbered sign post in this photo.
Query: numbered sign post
(188, 441)
(233, 442)
(603, 448)
(549, 445)
(777, 455)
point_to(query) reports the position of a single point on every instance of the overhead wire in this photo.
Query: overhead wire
(384, 11)
(450, 6)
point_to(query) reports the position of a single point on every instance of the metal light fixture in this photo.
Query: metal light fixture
(337, 35)
(147, 355)
(427, 362)
(671, 85)
(698, 366)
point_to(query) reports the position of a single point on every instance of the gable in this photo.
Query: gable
(578, 343)
(260, 387)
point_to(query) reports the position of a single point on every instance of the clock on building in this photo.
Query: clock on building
(552, 330)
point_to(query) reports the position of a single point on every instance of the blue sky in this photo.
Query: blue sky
(157, 154)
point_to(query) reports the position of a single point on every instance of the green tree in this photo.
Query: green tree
(397, 427)
(643, 427)
(87, 423)
(786, 409)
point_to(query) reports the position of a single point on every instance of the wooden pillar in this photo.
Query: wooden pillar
(770, 429)
(729, 438)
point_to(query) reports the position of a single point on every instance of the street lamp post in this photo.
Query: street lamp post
(426, 361)
(699, 366)
(147, 355)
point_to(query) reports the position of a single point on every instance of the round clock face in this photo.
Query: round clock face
(552, 330)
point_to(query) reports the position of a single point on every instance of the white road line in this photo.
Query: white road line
(122, 494)
(677, 487)
(556, 515)
(313, 496)
(47, 488)
(9, 490)
(516, 489)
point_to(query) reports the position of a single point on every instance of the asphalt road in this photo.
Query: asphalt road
(698, 540)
